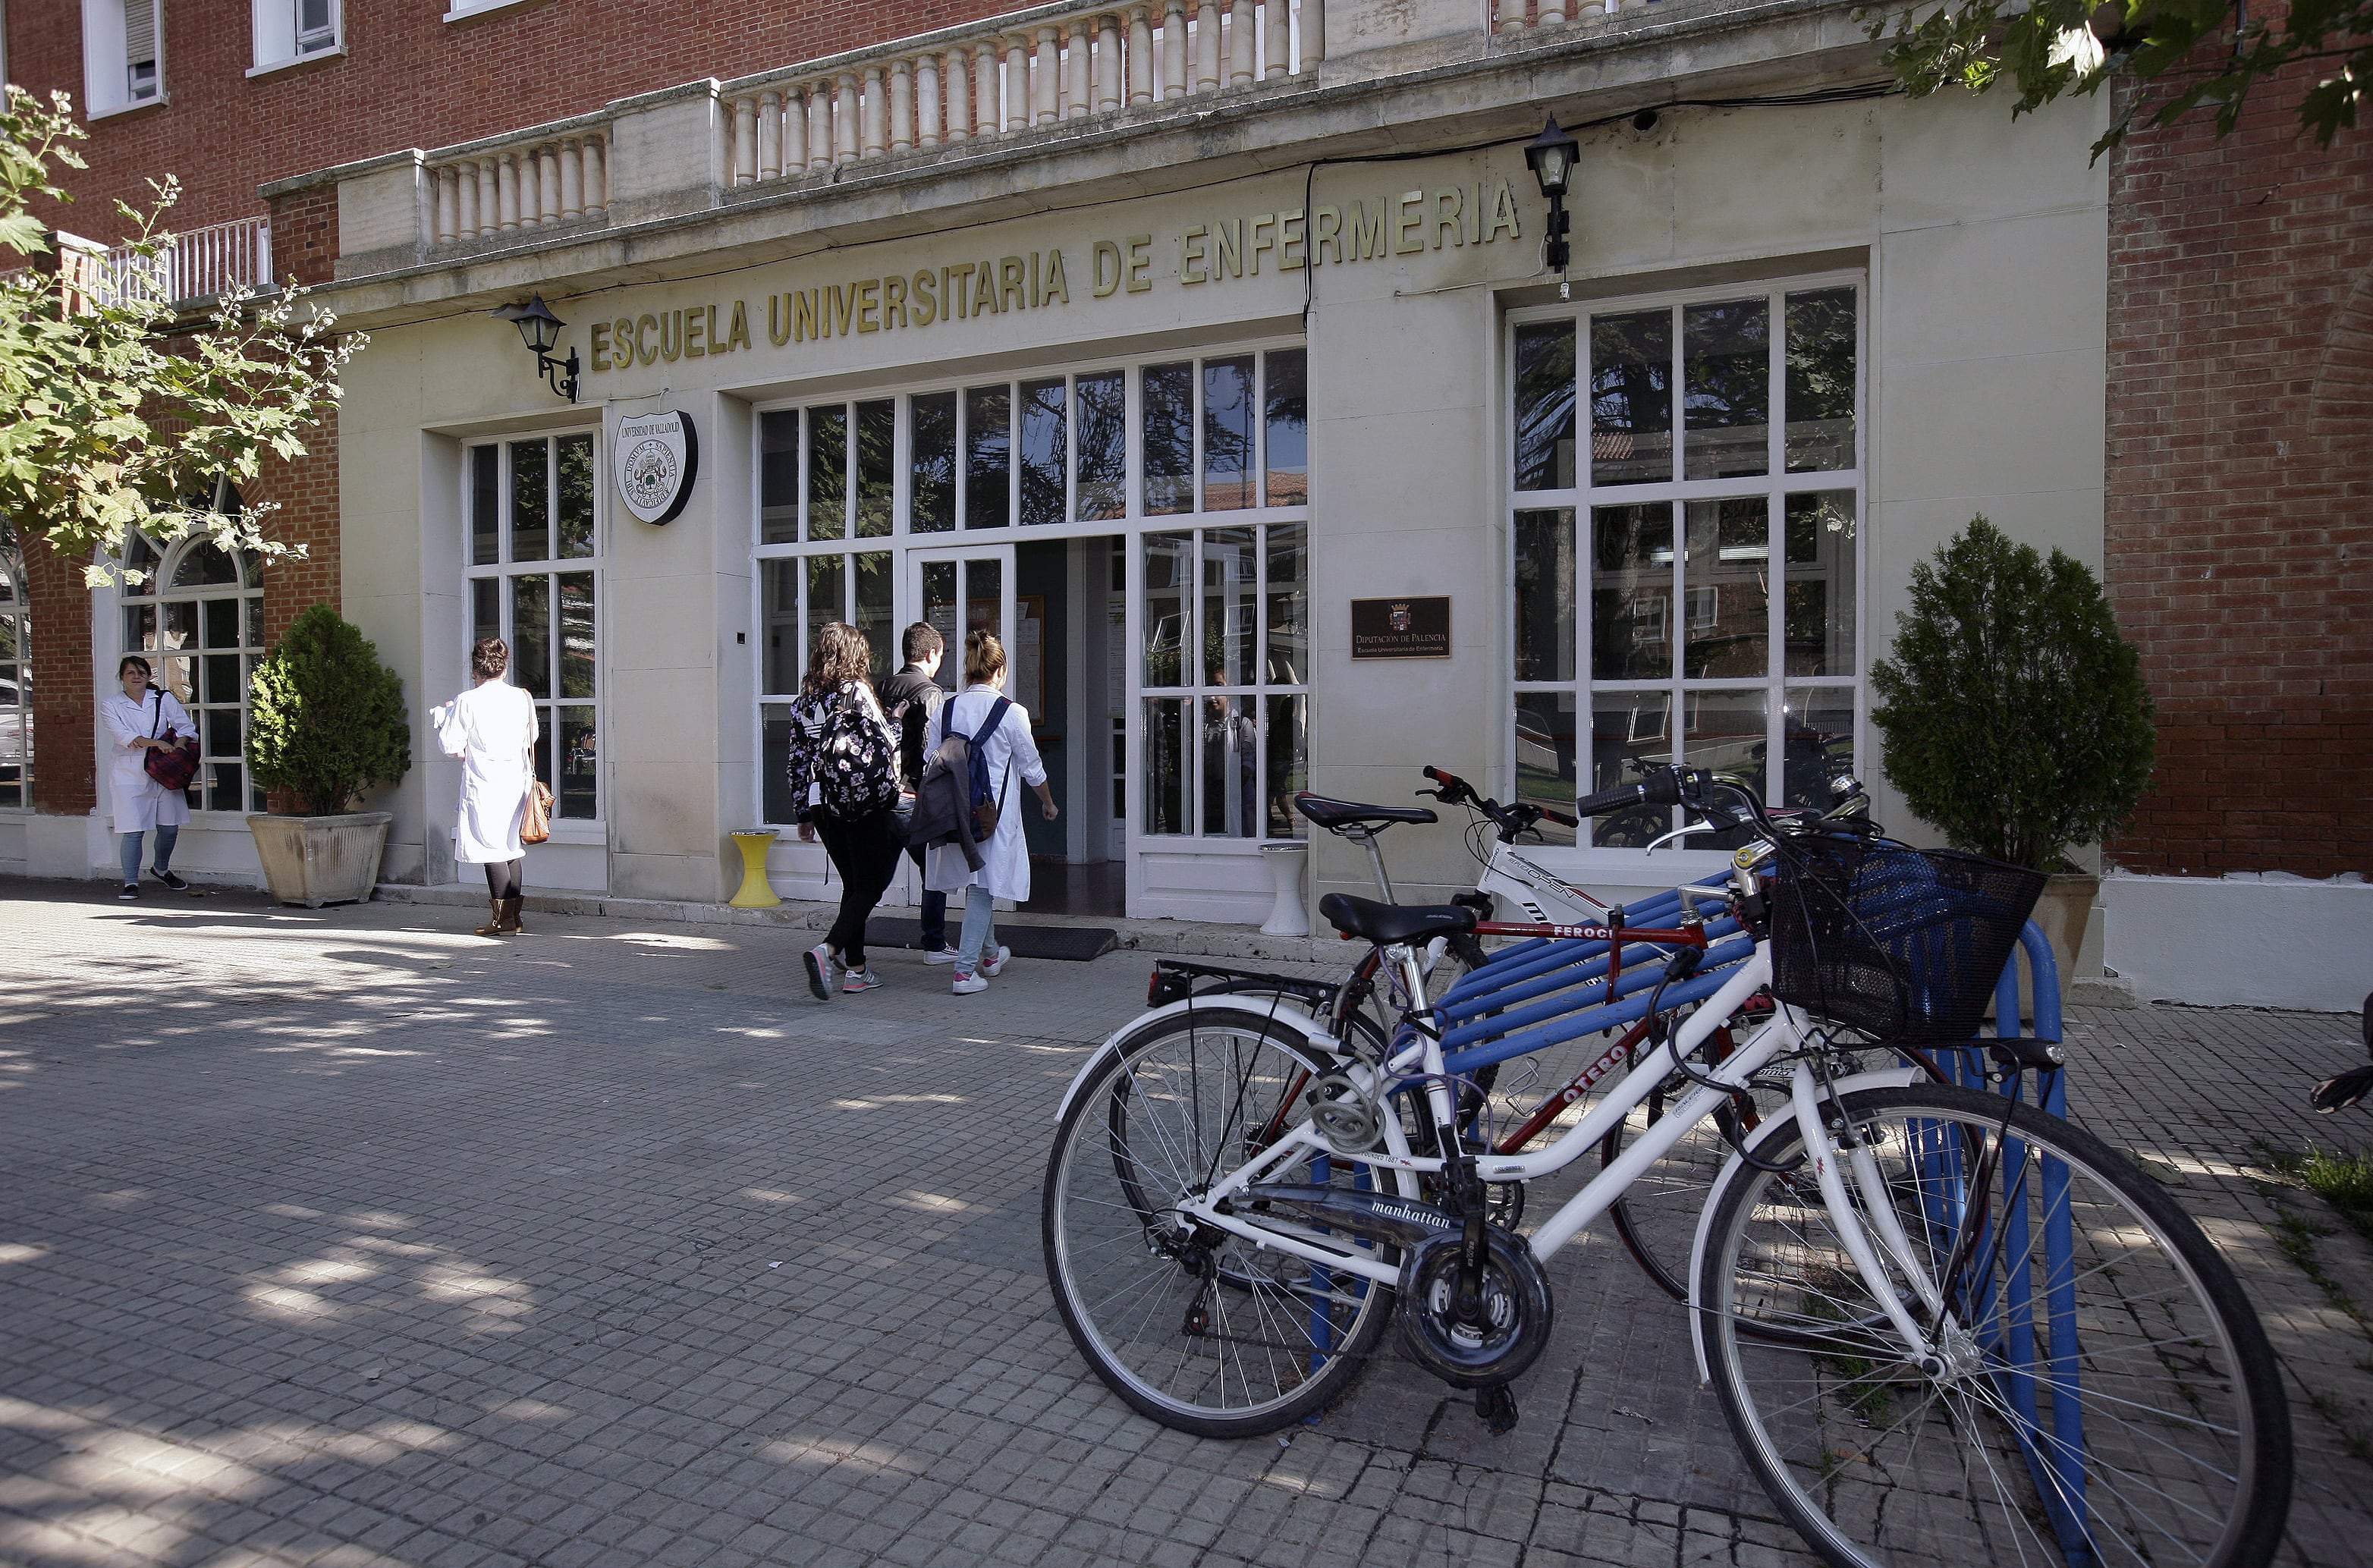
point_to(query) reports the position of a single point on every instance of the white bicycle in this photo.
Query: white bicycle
(1942, 1325)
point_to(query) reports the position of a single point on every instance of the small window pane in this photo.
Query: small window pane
(1632, 398)
(544, 741)
(778, 477)
(828, 473)
(1103, 430)
(1727, 358)
(1632, 592)
(576, 641)
(939, 609)
(1821, 582)
(1169, 567)
(204, 564)
(827, 599)
(1165, 765)
(873, 579)
(532, 635)
(1821, 381)
(576, 795)
(531, 500)
(1231, 767)
(1726, 577)
(782, 654)
(1043, 463)
(254, 622)
(1287, 740)
(485, 506)
(139, 627)
(221, 683)
(1286, 620)
(932, 484)
(985, 603)
(485, 608)
(1630, 732)
(1228, 434)
(774, 761)
(576, 496)
(1819, 730)
(1544, 596)
(221, 619)
(1725, 735)
(1286, 442)
(1166, 442)
(221, 725)
(224, 787)
(1543, 419)
(1545, 775)
(180, 624)
(989, 457)
(139, 556)
(1231, 582)
(877, 466)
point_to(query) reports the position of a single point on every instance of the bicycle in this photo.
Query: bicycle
(1932, 1316)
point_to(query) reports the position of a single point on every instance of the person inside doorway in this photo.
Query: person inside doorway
(145, 719)
(911, 699)
(999, 729)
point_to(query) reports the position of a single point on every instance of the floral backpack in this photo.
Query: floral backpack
(855, 766)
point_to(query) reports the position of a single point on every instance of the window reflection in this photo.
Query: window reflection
(1227, 434)
(1632, 398)
(1632, 592)
(1821, 381)
(1726, 353)
(1286, 440)
(1043, 463)
(989, 457)
(1102, 415)
(931, 480)
(1544, 417)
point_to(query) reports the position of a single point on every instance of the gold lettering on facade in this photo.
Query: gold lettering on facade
(645, 351)
(984, 290)
(599, 350)
(1503, 213)
(737, 331)
(1255, 243)
(1454, 221)
(1326, 232)
(961, 275)
(1010, 282)
(867, 298)
(1191, 251)
(1058, 288)
(893, 302)
(1409, 217)
(1140, 262)
(1288, 260)
(927, 298)
(1363, 238)
(695, 335)
(1231, 257)
(1104, 269)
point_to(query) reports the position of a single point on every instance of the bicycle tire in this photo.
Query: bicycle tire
(2185, 1447)
(1173, 1107)
(1655, 1218)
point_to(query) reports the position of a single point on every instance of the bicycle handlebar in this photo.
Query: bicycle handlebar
(1662, 788)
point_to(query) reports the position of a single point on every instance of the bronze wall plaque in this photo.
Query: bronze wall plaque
(1400, 628)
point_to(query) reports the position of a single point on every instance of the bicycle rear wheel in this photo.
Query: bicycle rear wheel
(2107, 1394)
(1193, 1326)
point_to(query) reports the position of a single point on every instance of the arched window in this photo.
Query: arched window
(198, 614)
(16, 677)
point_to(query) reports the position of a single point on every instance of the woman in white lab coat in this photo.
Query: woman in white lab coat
(492, 729)
(144, 717)
(1005, 859)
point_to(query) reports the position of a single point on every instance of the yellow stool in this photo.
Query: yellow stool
(755, 891)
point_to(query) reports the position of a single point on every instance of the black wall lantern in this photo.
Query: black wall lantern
(541, 329)
(1551, 156)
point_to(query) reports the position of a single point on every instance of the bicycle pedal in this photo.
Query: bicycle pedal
(1497, 1409)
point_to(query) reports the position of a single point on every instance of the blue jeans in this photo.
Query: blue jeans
(167, 835)
(935, 904)
(979, 928)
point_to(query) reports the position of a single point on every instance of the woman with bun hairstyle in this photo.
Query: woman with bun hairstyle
(492, 729)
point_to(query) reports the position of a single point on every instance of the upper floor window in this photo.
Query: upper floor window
(122, 53)
(289, 30)
(16, 677)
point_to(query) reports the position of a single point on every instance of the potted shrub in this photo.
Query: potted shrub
(2014, 716)
(325, 722)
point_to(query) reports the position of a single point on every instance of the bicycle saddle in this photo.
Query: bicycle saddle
(1332, 814)
(1383, 923)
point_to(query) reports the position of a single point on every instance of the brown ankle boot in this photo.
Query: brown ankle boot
(508, 917)
(494, 926)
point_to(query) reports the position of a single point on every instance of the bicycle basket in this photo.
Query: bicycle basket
(1903, 944)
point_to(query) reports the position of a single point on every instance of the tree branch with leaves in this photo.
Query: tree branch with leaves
(117, 414)
(2179, 55)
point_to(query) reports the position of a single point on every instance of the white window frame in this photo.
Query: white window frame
(15, 712)
(278, 43)
(158, 592)
(593, 830)
(463, 10)
(1133, 525)
(1678, 860)
(106, 68)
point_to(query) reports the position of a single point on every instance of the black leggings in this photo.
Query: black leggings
(503, 877)
(866, 856)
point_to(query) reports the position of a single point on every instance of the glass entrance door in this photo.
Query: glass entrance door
(960, 591)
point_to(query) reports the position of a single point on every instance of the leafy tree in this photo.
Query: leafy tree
(2014, 715)
(2181, 54)
(114, 415)
(325, 718)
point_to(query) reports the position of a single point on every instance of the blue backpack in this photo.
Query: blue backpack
(988, 802)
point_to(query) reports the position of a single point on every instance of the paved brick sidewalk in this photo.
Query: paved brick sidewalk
(347, 1238)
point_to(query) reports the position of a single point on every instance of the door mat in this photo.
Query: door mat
(1073, 944)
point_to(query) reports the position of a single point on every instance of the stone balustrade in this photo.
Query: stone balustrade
(1526, 16)
(526, 184)
(1021, 71)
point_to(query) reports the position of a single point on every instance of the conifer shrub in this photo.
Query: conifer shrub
(325, 718)
(2012, 715)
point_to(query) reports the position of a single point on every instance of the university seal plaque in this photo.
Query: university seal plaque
(657, 458)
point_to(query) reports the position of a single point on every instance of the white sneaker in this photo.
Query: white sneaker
(966, 985)
(819, 961)
(994, 963)
(940, 955)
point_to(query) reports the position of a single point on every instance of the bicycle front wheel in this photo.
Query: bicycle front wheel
(1194, 1326)
(2104, 1393)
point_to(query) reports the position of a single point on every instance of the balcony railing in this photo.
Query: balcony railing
(533, 181)
(194, 268)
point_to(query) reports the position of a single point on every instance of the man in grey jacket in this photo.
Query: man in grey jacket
(911, 699)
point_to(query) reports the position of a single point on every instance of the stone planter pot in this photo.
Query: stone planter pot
(2063, 912)
(315, 860)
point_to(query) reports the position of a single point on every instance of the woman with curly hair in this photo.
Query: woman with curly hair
(843, 774)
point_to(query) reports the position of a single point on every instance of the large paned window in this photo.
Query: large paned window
(1199, 466)
(16, 677)
(535, 574)
(1688, 496)
(196, 615)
